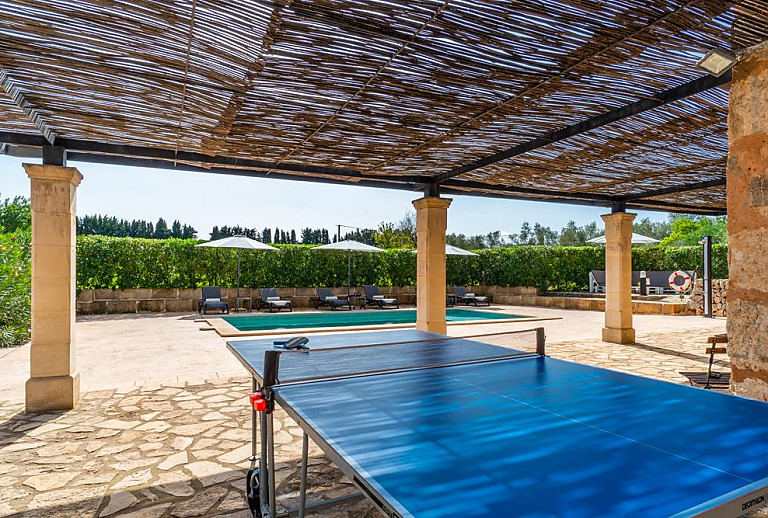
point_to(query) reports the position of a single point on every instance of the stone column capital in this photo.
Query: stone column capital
(432, 202)
(619, 216)
(53, 172)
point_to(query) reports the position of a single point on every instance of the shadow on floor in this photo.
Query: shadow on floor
(22, 424)
(700, 358)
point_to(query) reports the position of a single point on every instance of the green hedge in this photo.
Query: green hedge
(14, 288)
(111, 262)
(117, 263)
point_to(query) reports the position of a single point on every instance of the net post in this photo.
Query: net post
(271, 362)
(540, 341)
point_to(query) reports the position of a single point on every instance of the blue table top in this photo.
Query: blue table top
(534, 437)
(251, 352)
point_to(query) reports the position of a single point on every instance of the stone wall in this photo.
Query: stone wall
(185, 300)
(719, 295)
(747, 198)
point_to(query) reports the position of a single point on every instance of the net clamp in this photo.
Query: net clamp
(258, 402)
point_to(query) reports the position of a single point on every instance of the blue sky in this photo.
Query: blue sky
(204, 200)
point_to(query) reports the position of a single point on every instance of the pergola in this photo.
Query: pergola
(571, 101)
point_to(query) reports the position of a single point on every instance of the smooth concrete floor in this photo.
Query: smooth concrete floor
(118, 351)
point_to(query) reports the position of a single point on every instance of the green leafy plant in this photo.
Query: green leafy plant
(15, 299)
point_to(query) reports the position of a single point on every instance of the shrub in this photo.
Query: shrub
(15, 299)
(110, 262)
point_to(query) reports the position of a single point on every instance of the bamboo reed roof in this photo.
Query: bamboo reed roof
(396, 93)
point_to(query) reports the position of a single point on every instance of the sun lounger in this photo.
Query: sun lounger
(212, 300)
(325, 296)
(469, 298)
(272, 300)
(372, 296)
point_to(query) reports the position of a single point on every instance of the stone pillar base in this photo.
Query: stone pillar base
(52, 393)
(619, 336)
(432, 326)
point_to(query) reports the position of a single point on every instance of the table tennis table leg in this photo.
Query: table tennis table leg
(304, 466)
(254, 421)
(270, 443)
(264, 468)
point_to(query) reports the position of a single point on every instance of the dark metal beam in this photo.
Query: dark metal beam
(54, 155)
(432, 189)
(667, 96)
(77, 156)
(495, 192)
(605, 199)
(23, 139)
(162, 159)
(188, 156)
(658, 207)
(675, 189)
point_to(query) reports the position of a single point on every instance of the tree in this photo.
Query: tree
(187, 232)
(176, 229)
(406, 227)
(389, 235)
(574, 235)
(267, 235)
(15, 214)
(161, 229)
(689, 230)
(655, 229)
(293, 237)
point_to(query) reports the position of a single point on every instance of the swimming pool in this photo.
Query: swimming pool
(373, 317)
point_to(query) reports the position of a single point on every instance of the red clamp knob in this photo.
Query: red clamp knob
(258, 402)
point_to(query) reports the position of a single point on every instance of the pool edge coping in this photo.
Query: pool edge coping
(227, 330)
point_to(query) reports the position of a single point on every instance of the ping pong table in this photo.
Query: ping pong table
(431, 426)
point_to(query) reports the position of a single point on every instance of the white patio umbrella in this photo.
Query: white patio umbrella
(454, 250)
(241, 243)
(637, 239)
(349, 246)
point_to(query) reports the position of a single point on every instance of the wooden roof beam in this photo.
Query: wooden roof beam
(667, 96)
(17, 96)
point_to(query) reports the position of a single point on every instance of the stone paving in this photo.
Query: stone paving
(164, 450)
(180, 450)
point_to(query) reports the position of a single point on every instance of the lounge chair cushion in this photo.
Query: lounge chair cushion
(331, 297)
(378, 297)
(272, 299)
(209, 301)
(279, 302)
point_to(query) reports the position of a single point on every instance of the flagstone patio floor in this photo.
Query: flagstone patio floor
(180, 449)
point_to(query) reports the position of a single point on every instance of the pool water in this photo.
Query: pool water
(371, 317)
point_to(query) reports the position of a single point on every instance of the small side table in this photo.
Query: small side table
(238, 306)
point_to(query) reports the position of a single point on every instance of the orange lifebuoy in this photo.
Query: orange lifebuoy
(679, 287)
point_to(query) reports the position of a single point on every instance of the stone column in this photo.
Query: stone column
(54, 382)
(431, 223)
(618, 278)
(747, 173)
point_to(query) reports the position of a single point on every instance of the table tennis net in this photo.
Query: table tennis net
(287, 366)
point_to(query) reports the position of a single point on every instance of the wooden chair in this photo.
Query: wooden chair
(721, 380)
